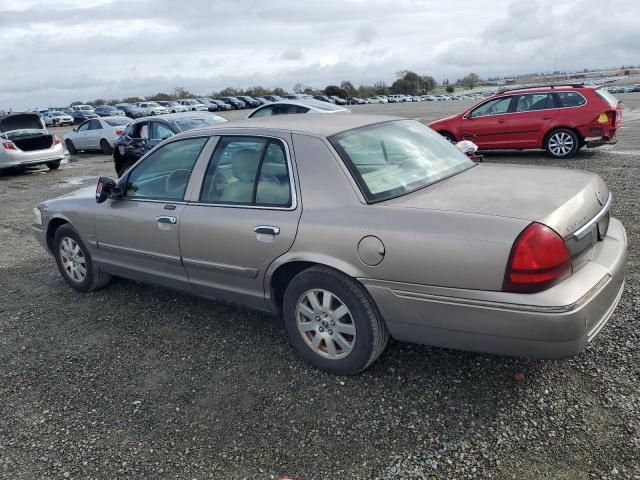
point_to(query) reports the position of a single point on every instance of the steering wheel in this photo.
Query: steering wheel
(176, 180)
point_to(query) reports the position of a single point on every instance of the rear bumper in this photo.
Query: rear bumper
(598, 135)
(556, 323)
(17, 158)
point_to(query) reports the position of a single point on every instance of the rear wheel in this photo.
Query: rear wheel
(562, 143)
(105, 147)
(54, 165)
(71, 147)
(448, 136)
(75, 263)
(333, 322)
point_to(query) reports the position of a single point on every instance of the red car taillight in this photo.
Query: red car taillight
(119, 131)
(539, 259)
(9, 145)
(56, 140)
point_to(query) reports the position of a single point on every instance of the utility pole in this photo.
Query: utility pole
(555, 64)
(48, 97)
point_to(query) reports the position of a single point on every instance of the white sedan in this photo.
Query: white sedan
(96, 134)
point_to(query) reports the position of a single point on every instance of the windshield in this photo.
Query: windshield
(184, 124)
(393, 158)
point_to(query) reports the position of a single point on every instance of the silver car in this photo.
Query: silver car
(96, 134)
(24, 141)
(355, 228)
(302, 105)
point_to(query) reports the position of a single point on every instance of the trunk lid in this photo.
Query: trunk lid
(562, 199)
(21, 121)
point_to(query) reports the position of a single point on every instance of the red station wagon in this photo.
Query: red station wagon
(559, 119)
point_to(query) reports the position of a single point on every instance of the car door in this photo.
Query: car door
(138, 234)
(244, 217)
(159, 131)
(532, 115)
(80, 138)
(488, 124)
(138, 142)
(95, 133)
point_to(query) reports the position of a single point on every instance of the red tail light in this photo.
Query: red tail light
(56, 140)
(119, 131)
(9, 145)
(539, 259)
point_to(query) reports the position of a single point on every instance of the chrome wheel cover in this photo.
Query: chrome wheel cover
(74, 263)
(325, 323)
(561, 144)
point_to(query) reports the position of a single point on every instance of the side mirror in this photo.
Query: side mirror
(75, 129)
(104, 189)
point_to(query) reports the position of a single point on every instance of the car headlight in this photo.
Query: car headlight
(37, 216)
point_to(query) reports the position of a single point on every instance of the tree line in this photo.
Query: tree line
(407, 82)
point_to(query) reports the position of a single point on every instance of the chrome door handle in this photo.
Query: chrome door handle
(166, 219)
(267, 230)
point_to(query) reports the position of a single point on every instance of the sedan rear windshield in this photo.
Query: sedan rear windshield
(393, 158)
(185, 124)
(118, 123)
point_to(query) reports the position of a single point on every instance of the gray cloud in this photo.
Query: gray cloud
(114, 48)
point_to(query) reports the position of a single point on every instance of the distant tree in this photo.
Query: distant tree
(335, 90)
(97, 102)
(348, 87)
(427, 83)
(257, 91)
(470, 81)
(77, 102)
(229, 92)
(279, 91)
(381, 88)
(403, 86)
(450, 89)
(159, 96)
(298, 88)
(180, 92)
(131, 100)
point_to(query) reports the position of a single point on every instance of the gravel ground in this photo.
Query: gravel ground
(139, 382)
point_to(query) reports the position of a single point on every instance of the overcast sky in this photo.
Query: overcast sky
(87, 49)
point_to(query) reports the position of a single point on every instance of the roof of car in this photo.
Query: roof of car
(320, 125)
(312, 103)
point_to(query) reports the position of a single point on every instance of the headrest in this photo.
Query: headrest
(244, 164)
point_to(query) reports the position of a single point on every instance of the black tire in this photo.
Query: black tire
(561, 143)
(54, 165)
(94, 279)
(105, 147)
(71, 147)
(448, 136)
(371, 332)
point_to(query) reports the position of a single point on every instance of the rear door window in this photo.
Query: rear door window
(531, 102)
(95, 125)
(570, 99)
(160, 131)
(248, 171)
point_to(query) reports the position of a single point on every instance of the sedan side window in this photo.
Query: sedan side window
(497, 106)
(160, 131)
(165, 173)
(534, 101)
(95, 125)
(84, 127)
(248, 171)
(263, 112)
(140, 131)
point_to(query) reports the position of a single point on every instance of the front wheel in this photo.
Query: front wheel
(53, 165)
(105, 147)
(75, 263)
(333, 322)
(562, 143)
(448, 136)
(71, 147)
